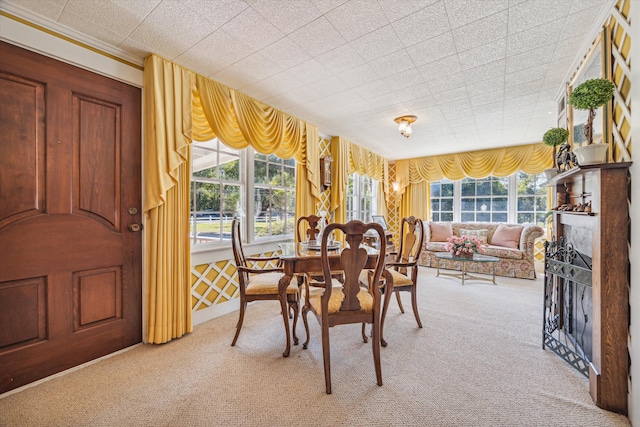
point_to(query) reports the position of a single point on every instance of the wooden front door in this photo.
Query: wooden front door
(70, 267)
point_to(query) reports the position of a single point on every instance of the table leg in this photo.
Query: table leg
(493, 272)
(464, 271)
(283, 284)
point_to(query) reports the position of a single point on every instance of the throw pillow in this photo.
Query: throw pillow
(440, 231)
(480, 234)
(507, 235)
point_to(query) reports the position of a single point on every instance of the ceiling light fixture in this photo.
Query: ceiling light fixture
(405, 124)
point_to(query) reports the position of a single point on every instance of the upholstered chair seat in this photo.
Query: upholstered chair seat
(337, 296)
(400, 279)
(267, 283)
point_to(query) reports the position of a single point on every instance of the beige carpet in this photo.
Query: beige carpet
(478, 361)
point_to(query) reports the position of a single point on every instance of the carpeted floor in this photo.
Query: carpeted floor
(478, 361)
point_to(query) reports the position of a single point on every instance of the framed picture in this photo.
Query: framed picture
(379, 219)
(325, 172)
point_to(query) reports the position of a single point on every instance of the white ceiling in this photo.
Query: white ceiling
(477, 73)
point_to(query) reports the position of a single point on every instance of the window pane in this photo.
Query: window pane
(435, 205)
(446, 205)
(230, 171)
(525, 217)
(468, 188)
(275, 174)
(483, 205)
(500, 186)
(260, 172)
(483, 188)
(468, 217)
(468, 205)
(447, 190)
(499, 217)
(435, 190)
(483, 217)
(500, 204)
(446, 217)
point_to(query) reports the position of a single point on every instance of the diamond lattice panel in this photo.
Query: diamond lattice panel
(325, 200)
(621, 75)
(217, 282)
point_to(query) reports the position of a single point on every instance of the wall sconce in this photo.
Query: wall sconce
(404, 123)
(396, 186)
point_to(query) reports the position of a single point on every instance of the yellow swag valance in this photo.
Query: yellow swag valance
(532, 158)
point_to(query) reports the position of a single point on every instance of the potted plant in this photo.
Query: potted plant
(554, 137)
(590, 95)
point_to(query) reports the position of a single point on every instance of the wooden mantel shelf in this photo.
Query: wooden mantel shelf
(568, 176)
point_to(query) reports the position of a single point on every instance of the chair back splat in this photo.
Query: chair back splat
(346, 301)
(312, 230)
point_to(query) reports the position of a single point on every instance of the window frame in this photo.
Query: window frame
(512, 200)
(245, 211)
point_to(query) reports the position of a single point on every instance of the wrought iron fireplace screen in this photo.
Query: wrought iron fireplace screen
(567, 300)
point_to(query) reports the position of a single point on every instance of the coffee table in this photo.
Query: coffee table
(464, 275)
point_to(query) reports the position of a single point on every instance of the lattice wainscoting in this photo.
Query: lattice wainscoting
(214, 286)
(620, 30)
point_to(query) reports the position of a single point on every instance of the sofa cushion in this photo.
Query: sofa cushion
(436, 246)
(440, 231)
(503, 252)
(507, 236)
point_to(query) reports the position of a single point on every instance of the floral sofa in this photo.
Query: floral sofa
(514, 261)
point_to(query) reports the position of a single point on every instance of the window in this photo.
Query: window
(484, 200)
(215, 191)
(274, 195)
(226, 183)
(442, 200)
(532, 199)
(361, 195)
(518, 198)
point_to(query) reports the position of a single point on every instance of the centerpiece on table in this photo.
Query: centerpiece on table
(464, 246)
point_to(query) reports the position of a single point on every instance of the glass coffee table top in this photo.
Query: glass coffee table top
(476, 257)
(464, 275)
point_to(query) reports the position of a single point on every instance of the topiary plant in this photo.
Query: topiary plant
(590, 95)
(554, 137)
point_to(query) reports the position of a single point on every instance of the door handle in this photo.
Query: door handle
(135, 227)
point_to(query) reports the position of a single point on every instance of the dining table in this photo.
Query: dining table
(301, 258)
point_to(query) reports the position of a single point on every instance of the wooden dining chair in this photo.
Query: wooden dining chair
(347, 302)
(402, 273)
(258, 284)
(307, 228)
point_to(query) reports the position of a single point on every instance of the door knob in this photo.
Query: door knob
(135, 227)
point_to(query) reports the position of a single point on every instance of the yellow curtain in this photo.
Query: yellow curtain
(347, 159)
(238, 121)
(168, 131)
(416, 201)
(532, 158)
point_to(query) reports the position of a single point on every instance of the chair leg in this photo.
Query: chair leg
(293, 305)
(376, 350)
(399, 301)
(364, 333)
(414, 304)
(385, 307)
(326, 354)
(243, 307)
(305, 310)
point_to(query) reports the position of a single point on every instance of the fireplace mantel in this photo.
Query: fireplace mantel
(606, 188)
